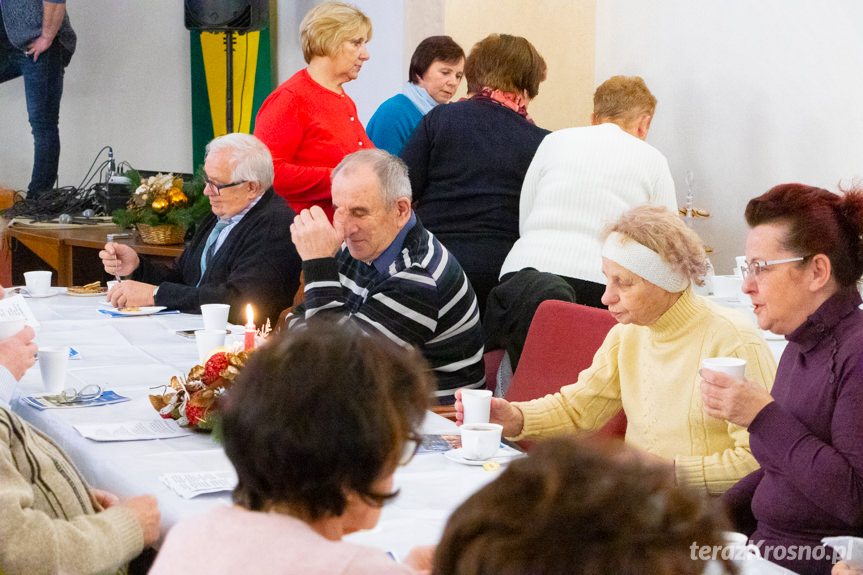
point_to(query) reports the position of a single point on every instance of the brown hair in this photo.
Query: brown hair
(506, 63)
(622, 99)
(328, 25)
(433, 48)
(322, 411)
(819, 222)
(655, 227)
(571, 509)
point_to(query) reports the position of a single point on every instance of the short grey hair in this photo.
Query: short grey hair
(391, 171)
(250, 158)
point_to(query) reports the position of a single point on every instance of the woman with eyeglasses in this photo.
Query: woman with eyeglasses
(804, 258)
(316, 424)
(648, 364)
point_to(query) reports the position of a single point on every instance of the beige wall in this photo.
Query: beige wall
(422, 18)
(564, 32)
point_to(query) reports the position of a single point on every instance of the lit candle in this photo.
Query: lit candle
(249, 342)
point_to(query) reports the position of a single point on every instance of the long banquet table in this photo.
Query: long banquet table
(132, 355)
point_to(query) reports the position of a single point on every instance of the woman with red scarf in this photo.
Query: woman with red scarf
(467, 160)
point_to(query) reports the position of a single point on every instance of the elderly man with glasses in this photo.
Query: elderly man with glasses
(241, 254)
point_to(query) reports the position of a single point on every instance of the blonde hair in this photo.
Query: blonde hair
(622, 99)
(656, 228)
(328, 25)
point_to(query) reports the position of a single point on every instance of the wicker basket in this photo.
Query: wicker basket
(161, 235)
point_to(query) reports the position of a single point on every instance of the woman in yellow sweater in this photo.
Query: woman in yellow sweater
(648, 364)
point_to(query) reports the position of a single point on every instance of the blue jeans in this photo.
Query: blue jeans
(43, 85)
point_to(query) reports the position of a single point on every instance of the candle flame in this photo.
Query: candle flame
(250, 314)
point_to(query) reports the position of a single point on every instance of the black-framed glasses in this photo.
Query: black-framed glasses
(755, 267)
(217, 189)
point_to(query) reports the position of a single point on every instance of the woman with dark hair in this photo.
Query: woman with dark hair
(317, 423)
(309, 123)
(467, 160)
(568, 508)
(804, 258)
(434, 75)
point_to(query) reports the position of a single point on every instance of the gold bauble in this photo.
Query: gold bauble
(160, 206)
(177, 198)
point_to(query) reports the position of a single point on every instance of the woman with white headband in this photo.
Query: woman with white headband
(648, 364)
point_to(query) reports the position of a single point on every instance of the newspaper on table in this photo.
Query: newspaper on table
(194, 483)
(157, 428)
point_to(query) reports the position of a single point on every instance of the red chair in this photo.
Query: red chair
(561, 342)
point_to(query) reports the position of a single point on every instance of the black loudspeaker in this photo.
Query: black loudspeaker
(227, 15)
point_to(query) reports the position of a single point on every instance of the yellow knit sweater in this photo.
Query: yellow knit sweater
(652, 373)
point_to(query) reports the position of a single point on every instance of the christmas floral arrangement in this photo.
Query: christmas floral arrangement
(163, 199)
(194, 400)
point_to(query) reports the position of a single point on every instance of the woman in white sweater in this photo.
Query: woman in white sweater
(580, 180)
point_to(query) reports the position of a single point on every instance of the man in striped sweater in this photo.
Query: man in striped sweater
(377, 265)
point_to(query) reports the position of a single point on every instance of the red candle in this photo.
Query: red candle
(249, 342)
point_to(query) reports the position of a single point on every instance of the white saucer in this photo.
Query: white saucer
(504, 454)
(51, 293)
(144, 310)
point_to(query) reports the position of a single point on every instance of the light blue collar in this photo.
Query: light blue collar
(419, 98)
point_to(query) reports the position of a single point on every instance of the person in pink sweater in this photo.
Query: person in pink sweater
(309, 123)
(316, 424)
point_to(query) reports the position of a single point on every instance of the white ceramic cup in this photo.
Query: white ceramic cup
(728, 286)
(38, 283)
(215, 315)
(480, 440)
(52, 363)
(9, 327)
(477, 405)
(739, 543)
(733, 366)
(207, 340)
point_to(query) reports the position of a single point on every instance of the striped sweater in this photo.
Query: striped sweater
(423, 300)
(48, 520)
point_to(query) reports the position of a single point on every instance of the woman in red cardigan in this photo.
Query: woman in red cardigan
(309, 123)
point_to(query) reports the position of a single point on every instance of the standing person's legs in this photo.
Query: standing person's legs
(43, 83)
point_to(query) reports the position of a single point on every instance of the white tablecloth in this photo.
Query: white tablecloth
(133, 355)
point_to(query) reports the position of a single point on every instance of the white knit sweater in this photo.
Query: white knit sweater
(580, 180)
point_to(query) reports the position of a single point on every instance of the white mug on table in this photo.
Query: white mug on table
(215, 315)
(38, 282)
(52, 364)
(207, 340)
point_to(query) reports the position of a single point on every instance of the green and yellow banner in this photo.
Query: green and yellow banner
(253, 82)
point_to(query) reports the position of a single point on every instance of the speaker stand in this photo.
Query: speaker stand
(229, 77)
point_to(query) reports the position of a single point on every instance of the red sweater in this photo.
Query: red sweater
(308, 129)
